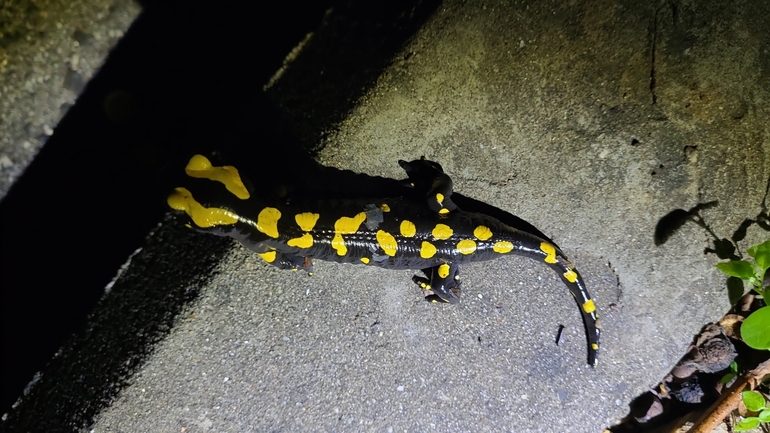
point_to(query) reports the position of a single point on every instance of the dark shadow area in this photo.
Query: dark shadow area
(181, 79)
(724, 248)
(141, 308)
(674, 220)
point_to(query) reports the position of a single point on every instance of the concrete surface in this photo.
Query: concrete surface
(49, 50)
(591, 120)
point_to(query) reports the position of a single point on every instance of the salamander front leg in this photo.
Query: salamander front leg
(442, 284)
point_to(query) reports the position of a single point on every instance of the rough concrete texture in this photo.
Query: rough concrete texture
(591, 120)
(48, 52)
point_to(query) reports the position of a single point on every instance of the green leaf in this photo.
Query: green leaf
(749, 423)
(761, 254)
(735, 289)
(737, 268)
(755, 330)
(731, 375)
(727, 378)
(764, 416)
(753, 400)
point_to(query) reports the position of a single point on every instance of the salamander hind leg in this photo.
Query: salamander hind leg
(288, 261)
(428, 178)
(442, 283)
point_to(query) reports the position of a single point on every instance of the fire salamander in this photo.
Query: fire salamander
(391, 233)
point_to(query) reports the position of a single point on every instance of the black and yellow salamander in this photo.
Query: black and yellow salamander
(392, 233)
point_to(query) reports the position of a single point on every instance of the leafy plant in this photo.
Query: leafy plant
(755, 402)
(731, 375)
(755, 330)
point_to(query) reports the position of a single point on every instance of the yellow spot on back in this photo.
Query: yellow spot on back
(442, 232)
(304, 241)
(365, 260)
(482, 232)
(427, 250)
(588, 306)
(200, 167)
(267, 221)
(466, 246)
(306, 221)
(570, 275)
(408, 229)
(440, 198)
(594, 346)
(443, 270)
(385, 207)
(443, 211)
(502, 247)
(550, 252)
(387, 242)
(203, 217)
(346, 226)
(268, 256)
